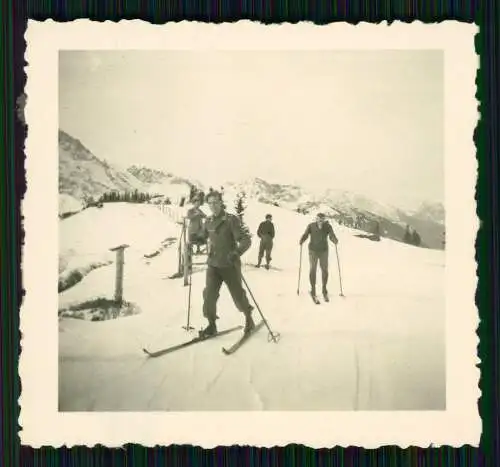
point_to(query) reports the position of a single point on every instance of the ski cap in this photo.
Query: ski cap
(268, 216)
(320, 215)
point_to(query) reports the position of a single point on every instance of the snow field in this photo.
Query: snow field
(381, 347)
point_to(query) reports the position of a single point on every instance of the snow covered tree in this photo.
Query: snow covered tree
(239, 205)
(407, 236)
(416, 240)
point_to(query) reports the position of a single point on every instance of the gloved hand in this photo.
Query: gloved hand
(232, 256)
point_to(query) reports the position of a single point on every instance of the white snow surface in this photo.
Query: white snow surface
(69, 204)
(382, 347)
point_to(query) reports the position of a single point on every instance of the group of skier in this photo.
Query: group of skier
(227, 240)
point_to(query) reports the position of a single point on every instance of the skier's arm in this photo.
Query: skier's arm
(259, 230)
(273, 231)
(332, 235)
(305, 234)
(241, 236)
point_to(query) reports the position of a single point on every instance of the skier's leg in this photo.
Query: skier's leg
(269, 249)
(261, 251)
(210, 297)
(313, 264)
(232, 277)
(323, 264)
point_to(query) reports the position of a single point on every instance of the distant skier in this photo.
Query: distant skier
(195, 230)
(266, 233)
(319, 232)
(228, 240)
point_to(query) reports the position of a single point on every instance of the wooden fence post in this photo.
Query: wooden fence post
(120, 260)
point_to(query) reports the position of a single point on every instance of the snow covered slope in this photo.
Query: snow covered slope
(162, 183)
(382, 347)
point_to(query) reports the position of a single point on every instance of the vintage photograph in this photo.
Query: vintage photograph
(251, 230)
(248, 234)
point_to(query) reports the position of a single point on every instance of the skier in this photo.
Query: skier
(228, 240)
(266, 234)
(318, 251)
(195, 231)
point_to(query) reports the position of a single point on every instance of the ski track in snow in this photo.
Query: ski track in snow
(366, 351)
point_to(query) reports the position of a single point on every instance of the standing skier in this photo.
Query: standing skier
(195, 230)
(266, 234)
(228, 240)
(319, 231)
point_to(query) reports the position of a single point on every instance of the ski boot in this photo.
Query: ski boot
(209, 331)
(249, 323)
(325, 295)
(267, 266)
(314, 297)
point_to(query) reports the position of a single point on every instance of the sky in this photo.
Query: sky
(370, 122)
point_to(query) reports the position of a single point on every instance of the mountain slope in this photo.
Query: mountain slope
(350, 209)
(162, 183)
(83, 175)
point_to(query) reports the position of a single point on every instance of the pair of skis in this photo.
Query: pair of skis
(199, 339)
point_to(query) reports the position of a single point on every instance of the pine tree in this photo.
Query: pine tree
(240, 205)
(407, 237)
(416, 240)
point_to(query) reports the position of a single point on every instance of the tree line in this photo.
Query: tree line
(135, 196)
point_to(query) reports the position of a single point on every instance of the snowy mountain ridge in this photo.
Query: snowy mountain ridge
(83, 176)
(345, 207)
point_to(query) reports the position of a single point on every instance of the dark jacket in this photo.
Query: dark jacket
(318, 241)
(266, 228)
(226, 236)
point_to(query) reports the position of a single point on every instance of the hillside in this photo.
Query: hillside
(158, 182)
(83, 175)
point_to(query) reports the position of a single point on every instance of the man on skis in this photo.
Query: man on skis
(227, 240)
(195, 231)
(319, 232)
(266, 234)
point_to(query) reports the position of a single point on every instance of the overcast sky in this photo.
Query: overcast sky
(369, 122)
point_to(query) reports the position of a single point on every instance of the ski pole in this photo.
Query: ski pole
(340, 275)
(273, 336)
(300, 269)
(188, 327)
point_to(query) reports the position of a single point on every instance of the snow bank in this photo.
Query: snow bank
(85, 240)
(69, 205)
